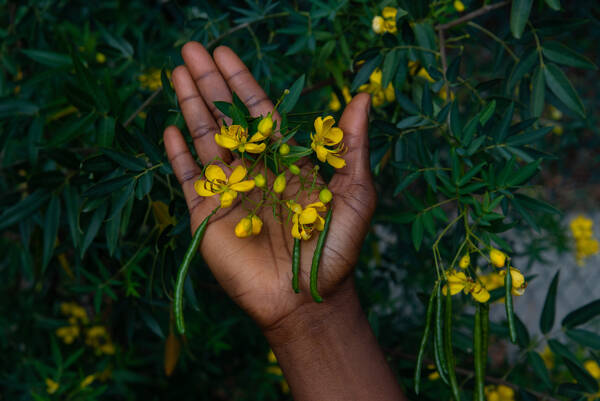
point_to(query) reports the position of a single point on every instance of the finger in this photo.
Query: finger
(185, 167)
(199, 119)
(355, 124)
(207, 77)
(240, 80)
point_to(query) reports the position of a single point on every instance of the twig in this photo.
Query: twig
(142, 107)
(495, 380)
(496, 38)
(471, 15)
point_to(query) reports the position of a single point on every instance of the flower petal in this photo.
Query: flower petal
(334, 136)
(318, 125)
(321, 153)
(243, 186)
(203, 188)
(326, 125)
(319, 223)
(215, 173)
(237, 175)
(308, 216)
(255, 148)
(296, 231)
(257, 137)
(335, 161)
(226, 141)
(319, 206)
(227, 198)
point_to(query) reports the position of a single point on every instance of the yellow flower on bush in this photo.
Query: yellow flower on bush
(379, 95)
(151, 79)
(235, 137)
(498, 258)
(465, 261)
(548, 358)
(499, 392)
(51, 386)
(492, 281)
(385, 22)
(459, 6)
(98, 338)
(76, 313)
(457, 281)
(335, 104)
(87, 381)
(518, 281)
(68, 333)
(326, 137)
(217, 183)
(585, 243)
(306, 220)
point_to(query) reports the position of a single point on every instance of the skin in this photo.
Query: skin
(326, 351)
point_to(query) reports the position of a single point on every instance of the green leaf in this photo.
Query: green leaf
(582, 376)
(549, 310)
(425, 36)
(537, 93)
(390, 66)
(428, 222)
(537, 363)
(69, 131)
(10, 107)
(426, 102)
(553, 4)
(51, 221)
(524, 173)
(120, 198)
(105, 187)
(50, 59)
(470, 174)
(410, 121)
(406, 182)
(528, 138)
(167, 89)
(152, 324)
(523, 67)
(455, 125)
(559, 85)
(560, 349)
(582, 315)
(112, 228)
(501, 130)
(585, 337)
(106, 131)
(72, 210)
(93, 228)
(144, 185)
(365, 71)
(288, 103)
(561, 54)
(223, 107)
(488, 112)
(417, 232)
(519, 14)
(405, 103)
(23, 209)
(536, 204)
(127, 161)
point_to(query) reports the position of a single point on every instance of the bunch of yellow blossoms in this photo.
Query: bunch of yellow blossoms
(479, 289)
(379, 94)
(499, 392)
(262, 145)
(96, 336)
(151, 79)
(335, 104)
(585, 243)
(385, 22)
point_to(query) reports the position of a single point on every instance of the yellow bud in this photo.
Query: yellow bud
(377, 24)
(325, 195)
(260, 180)
(465, 261)
(286, 92)
(284, 149)
(100, 58)
(279, 184)
(389, 12)
(243, 229)
(505, 392)
(497, 257)
(555, 113)
(265, 126)
(459, 6)
(479, 293)
(558, 129)
(256, 225)
(294, 169)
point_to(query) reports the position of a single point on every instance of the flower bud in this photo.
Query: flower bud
(256, 225)
(465, 261)
(265, 126)
(100, 58)
(459, 6)
(243, 229)
(377, 24)
(498, 258)
(294, 169)
(279, 184)
(325, 195)
(259, 180)
(284, 149)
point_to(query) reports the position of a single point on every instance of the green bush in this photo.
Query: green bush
(472, 109)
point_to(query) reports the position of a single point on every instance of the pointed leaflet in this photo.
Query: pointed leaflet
(561, 54)
(288, 103)
(549, 310)
(390, 66)
(537, 93)
(537, 363)
(365, 71)
(582, 315)
(559, 85)
(51, 221)
(519, 14)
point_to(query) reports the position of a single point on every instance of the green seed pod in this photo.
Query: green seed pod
(284, 149)
(294, 169)
(325, 195)
(279, 184)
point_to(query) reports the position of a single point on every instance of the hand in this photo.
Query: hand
(256, 271)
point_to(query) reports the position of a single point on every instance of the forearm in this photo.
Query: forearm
(328, 352)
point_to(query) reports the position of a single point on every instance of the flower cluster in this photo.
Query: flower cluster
(335, 104)
(458, 281)
(585, 243)
(499, 392)
(95, 336)
(151, 79)
(379, 94)
(386, 22)
(275, 370)
(262, 146)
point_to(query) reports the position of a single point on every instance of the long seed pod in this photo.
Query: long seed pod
(425, 338)
(183, 269)
(438, 337)
(296, 265)
(478, 394)
(510, 313)
(448, 347)
(314, 269)
(485, 335)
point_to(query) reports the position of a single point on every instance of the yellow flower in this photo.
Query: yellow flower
(499, 393)
(389, 13)
(227, 188)
(98, 338)
(151, 79)
(327, 136)
(51, 386)
(465, 261)
(558, 129)
(87, 381)
(325, 195)
(479, 293)
(259, 180)
(100, 58)
(346, 94)
(585, 243)
(425, 75)
(378, 24)
(334, 103)
(548, 358)
(243, 229)
(459, 6)
(279, 184)
(163, 219)
(235, 137)
(390, 26)
(265, 126)
(581, 227)
(412, 67)
(555, 113)
(456, 281)
(284, 149)
(498, 258)
(492, 281)
(379, 95)
(68, 333)
(592, 367)
(271, 357)
(518, 281)
(256, 225)
(306, 220)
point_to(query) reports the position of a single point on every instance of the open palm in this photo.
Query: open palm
(256, 271)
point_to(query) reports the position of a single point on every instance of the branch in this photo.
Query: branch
(142, 107)
(471, 15)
